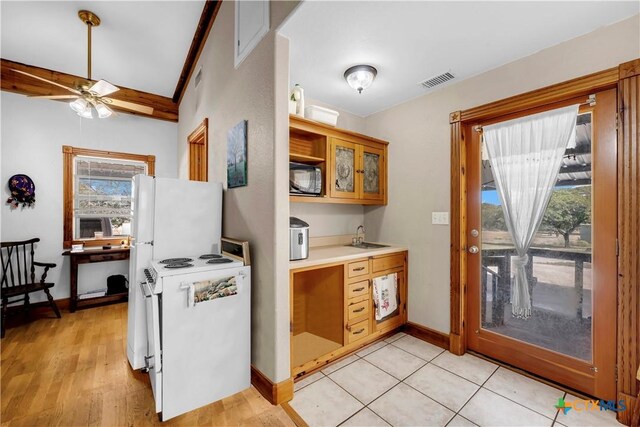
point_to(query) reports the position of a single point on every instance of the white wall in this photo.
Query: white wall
(419, 150)
(332, 219)
(257, 91)
(33, 133)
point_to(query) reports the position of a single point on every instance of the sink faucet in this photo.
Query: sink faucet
(358, 238)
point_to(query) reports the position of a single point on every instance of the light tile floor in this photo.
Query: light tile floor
(404, 381)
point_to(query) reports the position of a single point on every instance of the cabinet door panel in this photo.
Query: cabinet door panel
(396, 318)
(344, 166)
(373, 173)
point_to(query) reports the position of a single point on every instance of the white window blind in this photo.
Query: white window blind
(102, 195)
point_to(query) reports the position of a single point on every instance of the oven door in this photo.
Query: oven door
(153, 360)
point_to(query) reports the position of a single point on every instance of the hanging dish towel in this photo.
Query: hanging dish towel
(208, 290)
(385, 295)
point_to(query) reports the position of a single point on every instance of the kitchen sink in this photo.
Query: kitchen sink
(367, 245)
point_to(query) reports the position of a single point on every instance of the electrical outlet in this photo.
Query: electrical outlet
(440, 218)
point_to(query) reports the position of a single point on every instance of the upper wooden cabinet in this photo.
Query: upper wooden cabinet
(354, 166)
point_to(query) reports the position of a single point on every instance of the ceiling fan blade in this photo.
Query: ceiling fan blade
(48, 81)
(54, 96)
(103, 88)
(129, 106)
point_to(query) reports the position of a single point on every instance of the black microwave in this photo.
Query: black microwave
(305, 180)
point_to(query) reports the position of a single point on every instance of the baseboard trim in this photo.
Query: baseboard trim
(276, 394)
(295, 417)
(427, 334)
(38, 307)
(630, 417)
(456, 345)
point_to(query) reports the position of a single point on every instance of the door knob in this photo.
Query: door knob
(474, 249)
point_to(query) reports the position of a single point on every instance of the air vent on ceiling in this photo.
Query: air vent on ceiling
(437, 80)
(198, 77)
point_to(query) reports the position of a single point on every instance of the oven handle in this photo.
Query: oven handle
(146, 289)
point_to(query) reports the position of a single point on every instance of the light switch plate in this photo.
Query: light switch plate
(440, 218)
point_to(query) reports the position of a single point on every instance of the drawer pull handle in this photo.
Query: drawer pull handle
(358, 269)
(358, 331)
(358, 289)
(359, 310)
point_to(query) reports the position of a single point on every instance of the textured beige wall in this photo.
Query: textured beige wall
(418, 132)
(257, 92)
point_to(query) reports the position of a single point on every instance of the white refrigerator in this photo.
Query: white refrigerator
(171, 218)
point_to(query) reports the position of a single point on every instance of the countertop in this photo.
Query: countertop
(339, 253)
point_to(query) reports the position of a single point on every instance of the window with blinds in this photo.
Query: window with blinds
(102, 196)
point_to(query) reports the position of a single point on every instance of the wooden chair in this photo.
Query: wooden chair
(19, 276)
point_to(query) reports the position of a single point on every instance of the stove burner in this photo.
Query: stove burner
(210, 256)
(175, 260)
(219, 261)
(179, 265)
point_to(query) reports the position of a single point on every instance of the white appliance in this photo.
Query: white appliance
(198, 318)
(171, 217)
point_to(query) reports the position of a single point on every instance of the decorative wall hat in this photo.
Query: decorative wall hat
(23, 191)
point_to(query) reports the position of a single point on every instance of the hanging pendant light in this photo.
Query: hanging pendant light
(360, 77)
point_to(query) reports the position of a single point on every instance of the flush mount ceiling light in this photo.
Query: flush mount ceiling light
(360, 77)
(88, 97)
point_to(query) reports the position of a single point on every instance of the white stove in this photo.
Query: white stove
(198, 328)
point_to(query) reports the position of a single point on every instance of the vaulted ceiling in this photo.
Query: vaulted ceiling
(409, 42)
(139, 44)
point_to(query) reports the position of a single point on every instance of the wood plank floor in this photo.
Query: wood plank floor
(74, 371)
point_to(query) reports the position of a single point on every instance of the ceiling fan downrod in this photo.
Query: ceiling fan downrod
(91, 20)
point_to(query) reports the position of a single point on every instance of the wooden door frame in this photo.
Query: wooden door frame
(628, 348)
(201, 132)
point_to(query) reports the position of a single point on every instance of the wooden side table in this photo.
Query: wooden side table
(89, 256)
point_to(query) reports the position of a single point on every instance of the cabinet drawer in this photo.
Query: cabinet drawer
(109, 257)
(388, 262)
(358, 309)
(358, 289)
(358, 268)
(359, 331)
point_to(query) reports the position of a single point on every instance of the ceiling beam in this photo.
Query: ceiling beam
(209, 13)
(163, 108)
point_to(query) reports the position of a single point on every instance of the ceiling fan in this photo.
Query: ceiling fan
(89, 98)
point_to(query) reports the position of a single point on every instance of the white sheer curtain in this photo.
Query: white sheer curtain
(525, 156)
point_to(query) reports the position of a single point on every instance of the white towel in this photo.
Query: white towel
(385, 295)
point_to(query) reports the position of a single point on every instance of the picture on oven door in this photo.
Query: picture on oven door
(208, 290)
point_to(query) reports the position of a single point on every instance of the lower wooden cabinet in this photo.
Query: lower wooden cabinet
(333, 309)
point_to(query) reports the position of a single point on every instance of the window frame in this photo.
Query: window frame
(69, 154)
(198, 145)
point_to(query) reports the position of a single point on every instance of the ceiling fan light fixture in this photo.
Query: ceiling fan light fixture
(87, 113)
(360, 77)
(103, 111)
(103, 88)
(79, 105)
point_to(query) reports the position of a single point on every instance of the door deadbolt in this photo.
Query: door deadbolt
(474, 233)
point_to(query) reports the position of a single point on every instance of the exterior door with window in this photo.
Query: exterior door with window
(569, 336)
